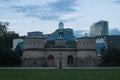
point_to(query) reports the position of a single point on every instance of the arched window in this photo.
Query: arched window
(70, 59)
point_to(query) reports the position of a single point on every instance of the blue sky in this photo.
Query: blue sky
(44, 15)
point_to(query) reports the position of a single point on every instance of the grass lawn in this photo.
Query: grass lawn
(64, 74)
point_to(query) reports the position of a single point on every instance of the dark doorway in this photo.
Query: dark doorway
(70, 59)
(50, 61)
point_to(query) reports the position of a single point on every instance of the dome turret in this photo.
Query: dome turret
(61, 25)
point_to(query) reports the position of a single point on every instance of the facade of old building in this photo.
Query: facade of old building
(59, 49)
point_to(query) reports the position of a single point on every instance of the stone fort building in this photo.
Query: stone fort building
(61, 48)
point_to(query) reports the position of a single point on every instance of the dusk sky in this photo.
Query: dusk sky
(44, 15)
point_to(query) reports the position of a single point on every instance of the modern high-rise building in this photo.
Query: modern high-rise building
(99, 29)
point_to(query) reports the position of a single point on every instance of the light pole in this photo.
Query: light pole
(60, 65)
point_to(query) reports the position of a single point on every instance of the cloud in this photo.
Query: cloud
(114, 32)
(51, 11)
(118, 1)
(41, 12)
(78, 34)
(70, 16)
(81, 33)
(8, 0)
(8, 20)
(63, 5)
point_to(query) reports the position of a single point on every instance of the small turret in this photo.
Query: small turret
(61, 25)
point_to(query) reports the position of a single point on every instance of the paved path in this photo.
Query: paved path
(57, 68)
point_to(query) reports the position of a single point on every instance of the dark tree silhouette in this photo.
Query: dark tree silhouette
(111, 57)
(3, 26)
(7, 56)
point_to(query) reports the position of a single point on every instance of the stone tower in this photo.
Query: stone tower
(33, 54)
(86, 54)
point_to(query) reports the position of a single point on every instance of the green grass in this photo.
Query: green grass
(65, 74)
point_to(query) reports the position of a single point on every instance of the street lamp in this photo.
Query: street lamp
(60, 65)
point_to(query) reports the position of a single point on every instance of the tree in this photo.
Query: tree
(3, 26)
(111, 57)
(103, 51)
(8, 39)
(7, 56)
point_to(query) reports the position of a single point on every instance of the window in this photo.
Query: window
(89, 56)
(27, 62)
(87, 43)
(34, 62)
(70, 59)
(83, 43)
(81, 62)
(34, 43)
(38, 43)
(26, 43)
(91, 43)
(80, 43)
(89, 63)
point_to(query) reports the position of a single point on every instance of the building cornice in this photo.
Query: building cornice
(59, 49)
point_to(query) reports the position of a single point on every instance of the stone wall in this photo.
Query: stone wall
(33, 43)
(63, 55)
(86, 43)
(86, 58)
(35, 54)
